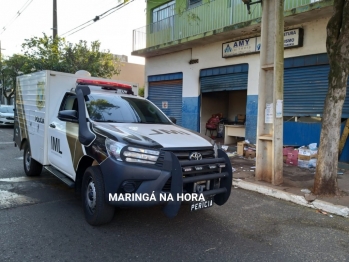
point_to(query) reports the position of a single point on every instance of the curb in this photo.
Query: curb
(300, 200)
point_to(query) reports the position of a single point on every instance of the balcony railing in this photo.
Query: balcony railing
(213, 15)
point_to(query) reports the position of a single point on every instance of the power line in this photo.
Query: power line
(19, 12)
(97, 18)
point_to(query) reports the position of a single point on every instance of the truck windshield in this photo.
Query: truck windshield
(122, 109)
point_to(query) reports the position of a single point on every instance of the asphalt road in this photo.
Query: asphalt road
(42, 220)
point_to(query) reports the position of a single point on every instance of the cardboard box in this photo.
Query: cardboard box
(250, 153)
(240, 148)
(306, 154)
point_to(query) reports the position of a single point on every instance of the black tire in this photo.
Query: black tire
(97, 210)
(31, 166)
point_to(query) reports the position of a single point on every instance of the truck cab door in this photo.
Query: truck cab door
(63, 138)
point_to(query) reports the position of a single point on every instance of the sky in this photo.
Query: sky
(114, 31)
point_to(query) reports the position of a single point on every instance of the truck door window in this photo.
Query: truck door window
(70, 102)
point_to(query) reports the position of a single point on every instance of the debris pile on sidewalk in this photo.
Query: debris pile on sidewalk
(297, 181)
(304, 156)
(244, 149)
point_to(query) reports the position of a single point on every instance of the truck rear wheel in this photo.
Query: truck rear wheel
(97, 211)
(31, 166)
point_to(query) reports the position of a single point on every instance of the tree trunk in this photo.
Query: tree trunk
(8, 100)
(326, 169)
(337, 44)
(7, 95)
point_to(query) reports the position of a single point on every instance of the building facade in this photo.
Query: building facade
(202, 58)
(131, 73)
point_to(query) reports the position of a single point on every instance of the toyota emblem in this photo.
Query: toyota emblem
(195, 156)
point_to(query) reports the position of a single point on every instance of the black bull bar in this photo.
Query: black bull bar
(221, 194)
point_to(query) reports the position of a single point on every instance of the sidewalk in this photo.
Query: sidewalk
(296, 182)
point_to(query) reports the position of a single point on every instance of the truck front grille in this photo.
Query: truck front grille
(184, 154)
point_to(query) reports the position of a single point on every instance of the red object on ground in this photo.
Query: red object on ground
(287, 150)
(292, 158)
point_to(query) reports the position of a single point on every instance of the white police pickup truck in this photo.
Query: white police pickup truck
(116, 149)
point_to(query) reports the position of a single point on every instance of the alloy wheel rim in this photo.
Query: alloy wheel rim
(28, 159)
(91, 195)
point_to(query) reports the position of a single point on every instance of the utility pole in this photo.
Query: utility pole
(55, 26)
(269, 161)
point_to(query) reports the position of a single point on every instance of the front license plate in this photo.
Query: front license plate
(201, 205)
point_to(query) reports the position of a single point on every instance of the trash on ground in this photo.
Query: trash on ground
(307, 156)
(321, 212)
(231, 154)
(309, 197)
(225, 148)
(235, 187)
(233, 169)
(330, 216)
(307, 191)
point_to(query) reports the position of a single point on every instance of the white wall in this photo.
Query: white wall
(314, 39)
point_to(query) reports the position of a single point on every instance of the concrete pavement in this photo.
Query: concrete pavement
(249, 227)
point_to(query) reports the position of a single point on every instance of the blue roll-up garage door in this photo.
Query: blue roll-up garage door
(306, 86)
(165, 91)
(225, 78)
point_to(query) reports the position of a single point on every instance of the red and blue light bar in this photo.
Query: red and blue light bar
(104, 84)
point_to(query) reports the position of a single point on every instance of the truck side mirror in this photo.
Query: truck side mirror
(68, 115)
(174, 120)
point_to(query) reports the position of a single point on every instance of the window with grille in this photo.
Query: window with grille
(163, 17)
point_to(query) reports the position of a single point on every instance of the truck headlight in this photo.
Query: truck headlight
(114, 148)
(140, 155)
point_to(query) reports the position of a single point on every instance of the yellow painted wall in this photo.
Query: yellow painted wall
(131, 73)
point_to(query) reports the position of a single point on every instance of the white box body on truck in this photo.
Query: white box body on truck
(113, 147)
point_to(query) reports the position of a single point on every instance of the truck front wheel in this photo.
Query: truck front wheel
(31, 166)
(97, 211)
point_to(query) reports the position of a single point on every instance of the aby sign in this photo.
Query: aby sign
(292, 38)
(239, 47)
